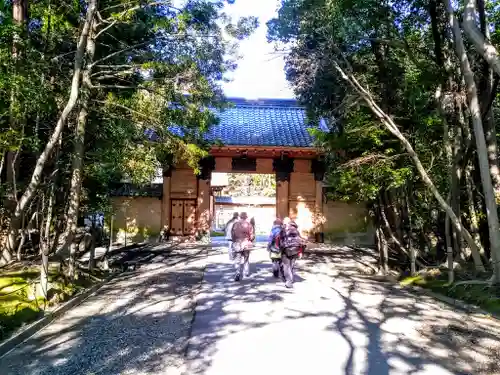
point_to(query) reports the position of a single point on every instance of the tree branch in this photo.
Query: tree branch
(105, 29)
(482, 45)
(133, 111)
(142, 44)
(491, 98)
(392, 127)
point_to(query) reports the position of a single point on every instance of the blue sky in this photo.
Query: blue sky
(260, 72)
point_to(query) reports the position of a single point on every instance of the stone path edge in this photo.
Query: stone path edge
(467, 307)
(445, 300)
(21, 336)
(195, 301)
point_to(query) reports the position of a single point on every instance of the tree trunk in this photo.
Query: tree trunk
(482, 153)
(381, 241)
(486, 93)
(481, 44)
(391, 198)
(45, 243)
(45, 234)
(385, 223)
(93, 232)
(447, 232)
(456, 174)
(449, 160)
(474, 222)
(451, 271)
(79, 150)
(44, 274)
(382, 250)
(61, 122)
(391, 126)
(20, 18)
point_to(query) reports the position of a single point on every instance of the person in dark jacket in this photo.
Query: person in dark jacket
(291, 244)
(274, 247)
(252, 223)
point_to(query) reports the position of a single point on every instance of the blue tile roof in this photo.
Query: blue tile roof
(267, 122)
(245, 200)
(261, 122)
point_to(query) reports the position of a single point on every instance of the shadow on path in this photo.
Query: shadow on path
(137, 324)
(334, 322)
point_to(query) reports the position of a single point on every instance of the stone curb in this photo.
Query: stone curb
(13, 341)
(449, 301)
(442, 299)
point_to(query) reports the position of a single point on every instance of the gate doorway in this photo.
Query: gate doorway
(183, 216)
(253, 193)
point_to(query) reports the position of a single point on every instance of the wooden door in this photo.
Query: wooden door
(183, 216)
(189, 216)
(177, 220)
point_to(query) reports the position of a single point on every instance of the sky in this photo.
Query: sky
(260, 73)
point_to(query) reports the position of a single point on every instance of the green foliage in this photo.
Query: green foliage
(18, 305)
(157, 69)
(403, 83)
(245, 185)
(483, 296)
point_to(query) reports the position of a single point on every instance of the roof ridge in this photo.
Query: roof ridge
(269, 106)
(265, 102)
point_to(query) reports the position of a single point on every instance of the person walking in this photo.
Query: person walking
(274, 247)
(291, 243)
(252, 222)
(227, 232)
(242, 235)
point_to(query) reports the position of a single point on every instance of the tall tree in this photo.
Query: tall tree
(335, 51)
(113, 77)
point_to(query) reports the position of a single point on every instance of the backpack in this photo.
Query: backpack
(274, 245)
(229, 228)
(291, 242)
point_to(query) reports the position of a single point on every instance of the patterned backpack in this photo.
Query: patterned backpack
(274, 245)
(291, 241)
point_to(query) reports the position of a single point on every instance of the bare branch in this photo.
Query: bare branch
(105, 29)
(491, 98)
(482, 45)
(165, 37)
(110, 74)
(117, 66)
(56, 58)
(133, 111)
(393, 128)
(370, 159)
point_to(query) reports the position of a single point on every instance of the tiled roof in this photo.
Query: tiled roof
(262, 122)
(245, 200)
(125, 189)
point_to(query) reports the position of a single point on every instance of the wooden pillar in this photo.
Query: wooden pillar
(203, 207)
(212, 209)
(282, 199)
(283, 166)
(165, 202)
(318, 208)
(318, 168)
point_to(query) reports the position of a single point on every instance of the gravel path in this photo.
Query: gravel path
(136, 324)
(333, 322)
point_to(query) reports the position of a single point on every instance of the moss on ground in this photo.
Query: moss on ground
(18, 304)
(485, 296)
